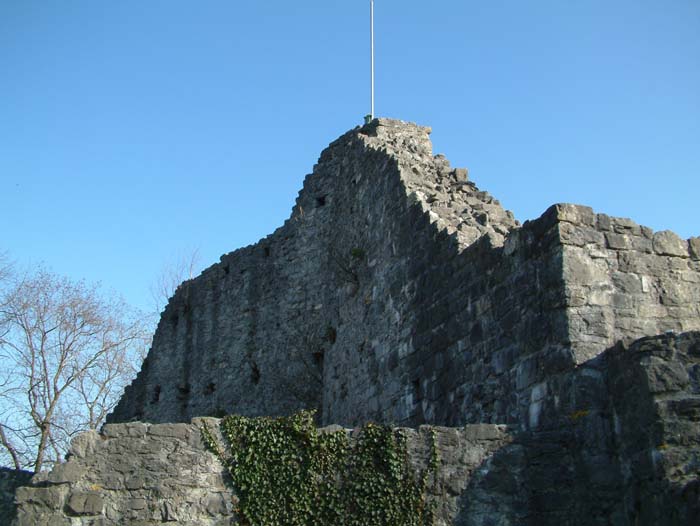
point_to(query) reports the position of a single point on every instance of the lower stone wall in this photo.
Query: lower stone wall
(130, 474)
(145, 474)
(655, 392)
(616, 441)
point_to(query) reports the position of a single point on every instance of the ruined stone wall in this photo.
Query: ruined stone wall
(279, 325)
(130, 474)
(623, 280)
(161, 473)
(617, 442)
(654, 387)
(398, 291)
(418, 315)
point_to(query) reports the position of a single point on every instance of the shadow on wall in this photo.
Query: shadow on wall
(10, 480)
(630, 458)
(617, 442)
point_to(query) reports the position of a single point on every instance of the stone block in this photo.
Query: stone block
(617, 241)
(169, 512)
(479, 432)
(70, 471)
(578, 235)
(579, 268)
(130, 429)
(694, 247)
(176, 431)
(623, 225)
(667, 243)
(603, 222)
(85, 503)
(577, 214)
(216, 504)
(137, 504)
(627, 282)
(42, 519)
(134, 482)
(51, 498)
(665, 375)
(84, 444)
(641, 244)
(461, 175)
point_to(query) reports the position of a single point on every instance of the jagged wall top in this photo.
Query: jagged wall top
(454, 202)
(398, 291)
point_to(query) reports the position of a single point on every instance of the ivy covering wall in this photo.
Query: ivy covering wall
(285, 472)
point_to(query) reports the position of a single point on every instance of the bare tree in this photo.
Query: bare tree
(5, 267)
(66, 352)
(179, 269)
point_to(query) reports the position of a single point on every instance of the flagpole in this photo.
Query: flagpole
(371, 47)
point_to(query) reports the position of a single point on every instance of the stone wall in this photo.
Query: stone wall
(617, 442)
(399, 292)
(276, 327)
(623, 280)
(130, 474)
(143, 474)
(654, 389)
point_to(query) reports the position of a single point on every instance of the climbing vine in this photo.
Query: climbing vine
(287, 473)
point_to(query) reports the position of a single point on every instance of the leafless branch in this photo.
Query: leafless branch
(178, 270)
(71, 351)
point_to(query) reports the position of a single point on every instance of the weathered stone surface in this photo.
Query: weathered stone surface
(394, 287)
(658, 435)
(68, 472)
(694, 247)
(576, 214)
(85, 503)
(191, 487)
(608, 446)
(83, 444)
(667, 243)
(136, 473)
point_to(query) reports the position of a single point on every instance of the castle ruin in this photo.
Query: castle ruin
(557, 357)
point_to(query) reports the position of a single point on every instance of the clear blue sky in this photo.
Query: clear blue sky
(134, 130)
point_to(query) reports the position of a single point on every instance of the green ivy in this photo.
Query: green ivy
(285, 473)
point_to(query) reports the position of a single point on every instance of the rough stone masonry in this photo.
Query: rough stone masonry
(399, 292)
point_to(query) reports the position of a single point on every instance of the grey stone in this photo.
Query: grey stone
(666, 375)
(85, 503)
(624, 225)
(603, 222)
(180, 432)
(461, 175)
(84, 444)
(667, 243)
(694, 247)
(573, 234)
(68, 472)
(577, 214)
(617, 241)
(479, 432)
(51, 498)
(135, 429)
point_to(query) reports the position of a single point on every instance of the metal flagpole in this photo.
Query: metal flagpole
(371, 46)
